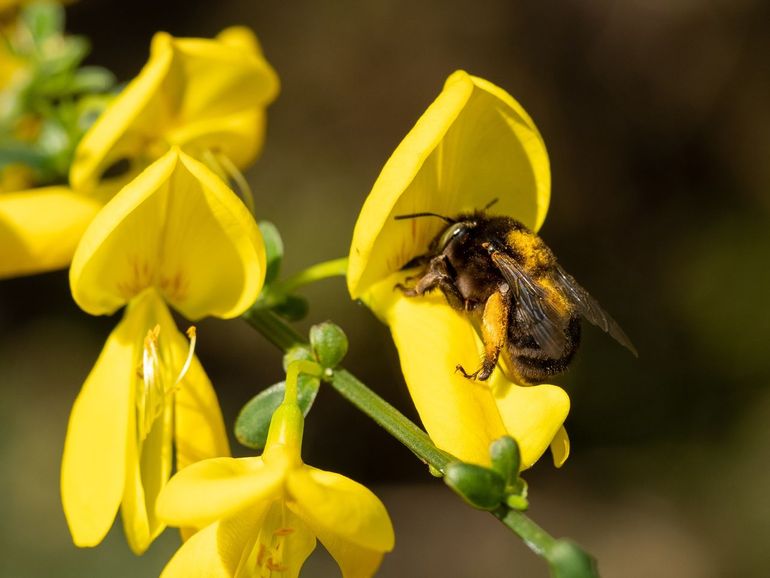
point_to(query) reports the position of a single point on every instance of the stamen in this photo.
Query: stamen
(227, 171)
(150, 395)
(192, 334)
(240, 181)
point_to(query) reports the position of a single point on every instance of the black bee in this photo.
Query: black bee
(508, 281)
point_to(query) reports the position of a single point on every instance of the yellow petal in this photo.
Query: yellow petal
(176, 227)
(130, 122)
(187, 87)
(203, 556)
(475, 143)
(40, 228)
(335, 505)
(533, 415)
(200, 430)
(223, 78)
(460, 415)
(217, 488)
(147, 472)
(95, 455)
(560, 448)
(353, 560)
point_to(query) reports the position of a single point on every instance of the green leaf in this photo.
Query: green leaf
(253, 421)
(273, 249)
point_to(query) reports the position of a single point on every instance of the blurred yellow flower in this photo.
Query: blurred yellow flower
(475, 143)
(178, 235)
(40, 228)
(261, 516)
(206, 96)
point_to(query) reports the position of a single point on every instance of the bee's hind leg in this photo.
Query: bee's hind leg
(494, 332)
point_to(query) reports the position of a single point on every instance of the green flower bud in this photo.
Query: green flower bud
(506, 459)
(480, 487)
(329, 343)
(568, 560)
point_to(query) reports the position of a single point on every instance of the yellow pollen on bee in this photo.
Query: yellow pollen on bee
(531, 249)
(556, 298)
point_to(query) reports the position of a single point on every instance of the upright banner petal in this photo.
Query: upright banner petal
(474, 144)
(170, 228)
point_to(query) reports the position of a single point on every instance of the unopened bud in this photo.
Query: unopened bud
(481, 487)
(329, 343)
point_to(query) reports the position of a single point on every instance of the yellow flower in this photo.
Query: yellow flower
(175, 235)
(206, 96)
(260, 516)
(40, 228)
(475, 143)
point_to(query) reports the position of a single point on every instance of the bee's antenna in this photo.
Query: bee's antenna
(490, 204)
(415, 215)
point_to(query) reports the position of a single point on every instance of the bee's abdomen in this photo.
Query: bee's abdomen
(532, 364)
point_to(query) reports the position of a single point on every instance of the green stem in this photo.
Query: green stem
(317, 272)
(538, 540)
(414, 438)
(392, 420)
(274, 329)
(296, 367)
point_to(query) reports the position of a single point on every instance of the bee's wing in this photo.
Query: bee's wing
(588, 307)
(540, 318)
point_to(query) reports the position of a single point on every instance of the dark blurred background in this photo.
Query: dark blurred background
(657, 118)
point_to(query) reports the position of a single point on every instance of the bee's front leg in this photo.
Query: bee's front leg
(437, 275)
(494, 332)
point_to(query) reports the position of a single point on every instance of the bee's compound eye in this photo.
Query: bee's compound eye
(452, 232)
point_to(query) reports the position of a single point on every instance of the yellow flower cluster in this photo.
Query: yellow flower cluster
(174, 234)
(148, 223)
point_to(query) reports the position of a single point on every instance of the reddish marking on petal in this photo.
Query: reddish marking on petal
(270, 565)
